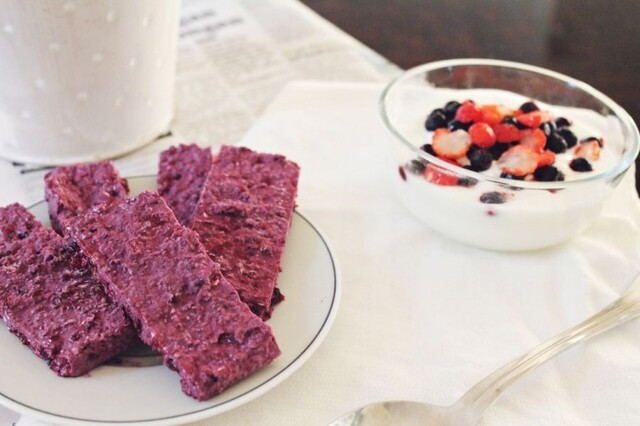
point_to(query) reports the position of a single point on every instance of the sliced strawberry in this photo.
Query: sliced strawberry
(588, 149)
(482, 135)
(535, 118)
(464, 161)
(493, 114)
(533, 138)
(439, 176)
(506, 133)
(519, 160)
(547, 158)
(468, 112)
(452, 145)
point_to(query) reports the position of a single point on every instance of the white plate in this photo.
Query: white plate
(152, 395)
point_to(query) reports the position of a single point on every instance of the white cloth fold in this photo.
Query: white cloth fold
(423, 317)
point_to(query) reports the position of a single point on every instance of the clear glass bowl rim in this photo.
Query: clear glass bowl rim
(629, 125)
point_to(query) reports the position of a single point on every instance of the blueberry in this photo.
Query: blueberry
(529, 107)
(497, 149)
(591, 139)
(493, 197)
(428, 148)
(436, 120)
(450, 109)
(556, 143)
(481, 159)
(547, 128)
(568, 136)
(580, 165)
(473, 147)
(456, 125)
(548, 174)
(415, 166)
(509, 119)
(562, 122)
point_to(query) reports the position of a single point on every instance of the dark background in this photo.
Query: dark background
(596, 41)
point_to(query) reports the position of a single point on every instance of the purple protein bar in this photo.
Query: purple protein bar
(72, 190)
(247, 241)
(183, 306)
(52, 300)
(268, 179)
(243, 218)
(181, 176)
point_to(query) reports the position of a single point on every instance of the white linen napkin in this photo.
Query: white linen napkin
(423, 317)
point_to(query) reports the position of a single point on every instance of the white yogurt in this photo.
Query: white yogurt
(79, 79)
(531, 218)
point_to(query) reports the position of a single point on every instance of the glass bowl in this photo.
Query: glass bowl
(492, 209)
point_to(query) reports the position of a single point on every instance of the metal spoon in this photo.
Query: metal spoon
(470, 407)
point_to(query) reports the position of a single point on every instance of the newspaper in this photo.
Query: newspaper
(234, 57)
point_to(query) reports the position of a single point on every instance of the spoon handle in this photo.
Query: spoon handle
(484, 393)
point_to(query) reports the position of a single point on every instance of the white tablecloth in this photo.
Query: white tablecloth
(423, 317)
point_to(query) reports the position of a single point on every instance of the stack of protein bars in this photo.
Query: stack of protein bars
(191, 269)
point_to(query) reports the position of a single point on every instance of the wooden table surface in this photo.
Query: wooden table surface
(596, 41)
